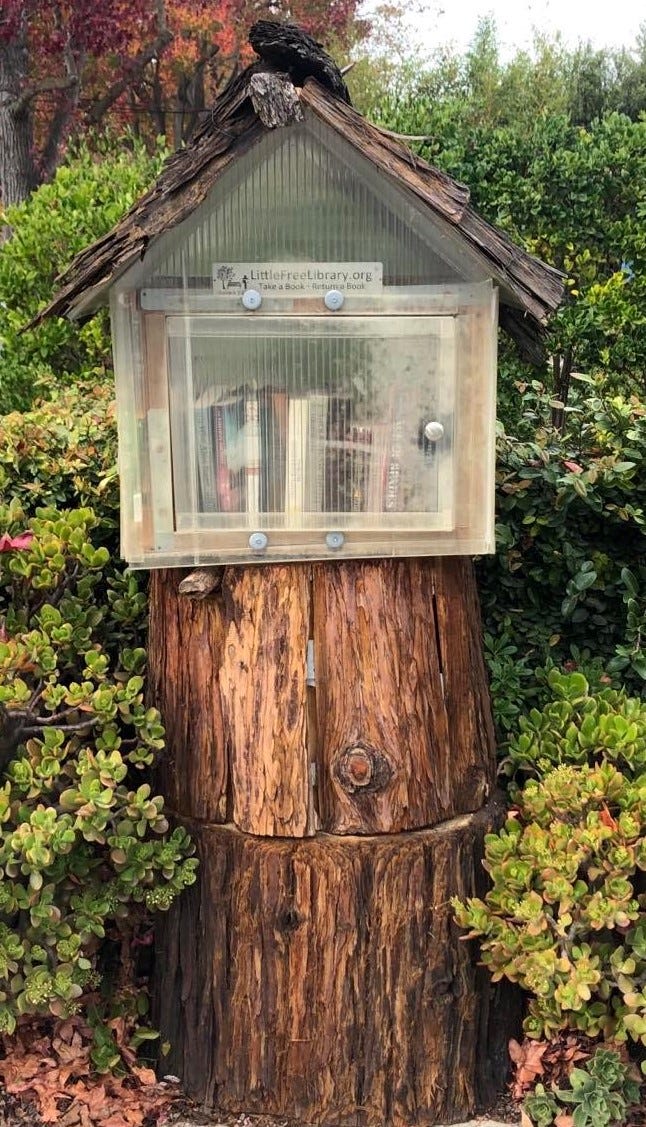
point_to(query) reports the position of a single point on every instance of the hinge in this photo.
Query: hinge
(310, 671)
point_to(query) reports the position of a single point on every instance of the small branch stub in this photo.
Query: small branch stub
(362, 770)
(201, 582)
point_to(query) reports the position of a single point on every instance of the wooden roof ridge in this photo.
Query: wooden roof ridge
(537, 286)
(231, 127)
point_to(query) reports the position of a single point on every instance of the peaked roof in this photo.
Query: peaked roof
(530, 290)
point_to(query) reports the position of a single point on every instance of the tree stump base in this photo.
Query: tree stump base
(323, 979)
(331, 750)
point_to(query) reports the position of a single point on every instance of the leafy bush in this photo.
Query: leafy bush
(568, 581)
(600, 1094)
(84, 200)
(564, 917)
(84, 846)
(578, 727)
(63, 453)
(573, 195)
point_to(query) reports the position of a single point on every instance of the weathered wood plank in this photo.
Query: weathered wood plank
(323, 979)
(391, 753)
(263, 680)
(466, 687)
(185, 650)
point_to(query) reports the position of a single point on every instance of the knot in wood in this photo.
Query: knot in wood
(362, 769)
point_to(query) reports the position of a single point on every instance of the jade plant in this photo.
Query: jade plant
(564, 916)
(579, 727)
(599, 1095)
(85, 847)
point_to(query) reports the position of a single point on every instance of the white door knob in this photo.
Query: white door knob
(434, 431)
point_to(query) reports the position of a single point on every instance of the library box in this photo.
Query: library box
(305, 369)
(304, 328)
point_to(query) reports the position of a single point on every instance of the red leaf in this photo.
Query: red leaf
(15, 543)
(607, 819)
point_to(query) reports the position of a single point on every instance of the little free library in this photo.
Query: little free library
(304, 318)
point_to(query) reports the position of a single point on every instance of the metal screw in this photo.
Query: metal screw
(333, 300)
(251, 299)
(258, 541)
(335, 540)
(434, 431)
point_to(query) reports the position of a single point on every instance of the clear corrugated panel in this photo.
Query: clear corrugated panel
(304, 194)
(361, 428)
(312, 422)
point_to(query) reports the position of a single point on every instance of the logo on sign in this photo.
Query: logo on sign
(297, 277)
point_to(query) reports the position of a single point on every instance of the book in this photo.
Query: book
(296, 453)
(317, 424)
(205, 453)
(378, 468)
(393, 485)
(273, 441)
(251, 450)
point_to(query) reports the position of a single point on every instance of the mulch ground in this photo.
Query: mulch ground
(16, 1112)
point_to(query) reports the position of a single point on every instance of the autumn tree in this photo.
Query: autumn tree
(66, 65)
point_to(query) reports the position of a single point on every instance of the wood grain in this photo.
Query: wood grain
(264, 693)
(394, 752)
(185, 644)
(323, 979)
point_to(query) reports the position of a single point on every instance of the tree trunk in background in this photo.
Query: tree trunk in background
(337, 805)
(17, 171)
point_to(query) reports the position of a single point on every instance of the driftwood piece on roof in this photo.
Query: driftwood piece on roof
(288, 48)
(530, 290)
(274, 99)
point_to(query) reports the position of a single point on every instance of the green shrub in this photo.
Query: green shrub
(568, 581)
(564, 916)
(85, 199)
(63, 453)
(579, 727)
(84, 844)
(600, 1094)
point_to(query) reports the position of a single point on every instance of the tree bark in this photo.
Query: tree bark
(314, 970)
(324, 980)
(17, 170)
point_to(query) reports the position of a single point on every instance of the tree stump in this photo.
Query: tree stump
(330, 748)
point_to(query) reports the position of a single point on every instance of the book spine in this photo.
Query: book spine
(392, 493)
(315, 452)
(279, 449)
(297, 427)
(222, 475)
(377, 472)
(252, 452)
(204, 452)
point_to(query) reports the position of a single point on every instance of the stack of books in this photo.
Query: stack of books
(262, 450)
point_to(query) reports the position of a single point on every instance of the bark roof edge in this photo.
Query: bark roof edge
(530, 288)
